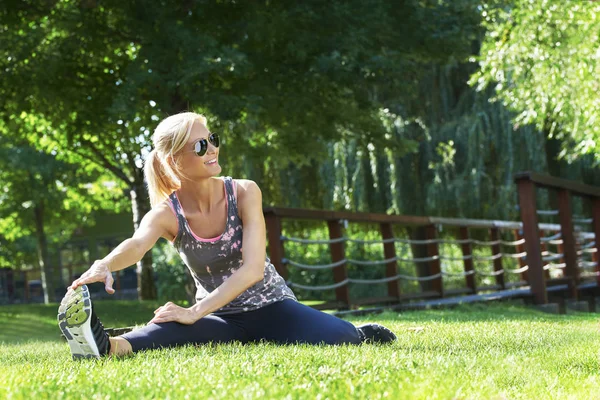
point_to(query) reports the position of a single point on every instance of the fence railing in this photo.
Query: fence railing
(576, 243)
(544, 257)
(441, 257)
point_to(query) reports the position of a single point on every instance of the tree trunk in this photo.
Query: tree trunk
(140, 206)
(43, 254)
(555, 166)
(552, 149)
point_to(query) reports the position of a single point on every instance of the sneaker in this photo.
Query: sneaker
(375, 333)
(80, 326)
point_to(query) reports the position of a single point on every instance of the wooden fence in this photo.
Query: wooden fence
(526, 258)
(550, 256)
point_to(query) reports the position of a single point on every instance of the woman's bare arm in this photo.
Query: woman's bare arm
(158, 222)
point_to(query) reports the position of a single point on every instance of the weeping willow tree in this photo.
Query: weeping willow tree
(469, 151)
(466, 152)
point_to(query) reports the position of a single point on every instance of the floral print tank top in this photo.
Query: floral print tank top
(212, 261)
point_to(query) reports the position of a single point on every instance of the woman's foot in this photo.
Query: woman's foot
(82, 329)
(375, 333)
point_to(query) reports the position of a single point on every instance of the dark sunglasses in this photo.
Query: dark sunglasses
(201, 146)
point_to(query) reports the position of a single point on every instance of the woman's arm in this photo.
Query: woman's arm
(251, 271)
(158, 222)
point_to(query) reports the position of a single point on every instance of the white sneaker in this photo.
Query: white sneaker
(80, 326)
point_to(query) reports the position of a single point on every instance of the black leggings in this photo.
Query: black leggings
(286, 321)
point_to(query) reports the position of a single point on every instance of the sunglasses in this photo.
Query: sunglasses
(201, 146)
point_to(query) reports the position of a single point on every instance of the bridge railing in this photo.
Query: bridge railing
(540, 258)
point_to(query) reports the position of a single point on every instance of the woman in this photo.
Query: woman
(240, 296)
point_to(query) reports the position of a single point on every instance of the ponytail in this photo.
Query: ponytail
(160, 177)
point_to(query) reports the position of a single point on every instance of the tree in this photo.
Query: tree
(341, 104)
(276, 74)
(541, 56)
(43, 198)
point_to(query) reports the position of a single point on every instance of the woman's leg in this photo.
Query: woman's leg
(288, 321)
(170, 334)
(87, 338)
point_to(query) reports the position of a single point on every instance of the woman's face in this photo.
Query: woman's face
(193, 165)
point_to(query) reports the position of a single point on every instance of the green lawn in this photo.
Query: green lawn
(487, 351)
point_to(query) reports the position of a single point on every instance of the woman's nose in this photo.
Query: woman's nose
(211, 148)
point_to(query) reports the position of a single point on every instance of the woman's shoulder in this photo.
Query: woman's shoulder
(161, 219)
(165, 209)
(245, 184)
(248, 193)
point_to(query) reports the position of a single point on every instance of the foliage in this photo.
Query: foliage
(173, 280)
(32, 178)
(541, 58)
(352, 105)
(18, 252)
(93, 78)
(266, 73)
(468, 150)
(491, 351)
(41, 197)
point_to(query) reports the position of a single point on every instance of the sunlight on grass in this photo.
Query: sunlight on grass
(475, 352)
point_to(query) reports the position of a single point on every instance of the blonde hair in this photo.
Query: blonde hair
(161, 168)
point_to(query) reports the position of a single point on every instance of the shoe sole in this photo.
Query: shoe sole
(383, 335)
(391, 336)
(74, 315)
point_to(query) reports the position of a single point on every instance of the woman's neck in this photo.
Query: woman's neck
(201, 195)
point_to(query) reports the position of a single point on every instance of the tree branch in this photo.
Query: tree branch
(103, 161)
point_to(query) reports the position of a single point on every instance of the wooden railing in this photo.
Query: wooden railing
(564, 191)
(531, 244)
(532, 259)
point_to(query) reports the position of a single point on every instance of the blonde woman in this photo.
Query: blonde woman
(209, 220)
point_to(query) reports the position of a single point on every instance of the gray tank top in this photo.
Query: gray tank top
(212, 261)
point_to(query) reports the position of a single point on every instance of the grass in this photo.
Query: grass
(492, 351)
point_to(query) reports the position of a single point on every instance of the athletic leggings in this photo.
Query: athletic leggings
(285, 321)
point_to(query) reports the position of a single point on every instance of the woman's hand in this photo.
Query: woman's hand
(173, 313)
(98, 272)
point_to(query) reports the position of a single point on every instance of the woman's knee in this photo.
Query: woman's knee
(348, 335)
(338, 333)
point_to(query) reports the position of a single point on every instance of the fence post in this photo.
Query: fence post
(496, 249)
(276, 250)
(569, 245)
(433, 250)
(596, 227)
(389, 251)
(544, 249)
(338, 254)
(467, 252)
(520, 248)
(561, 250)
(528, 207)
